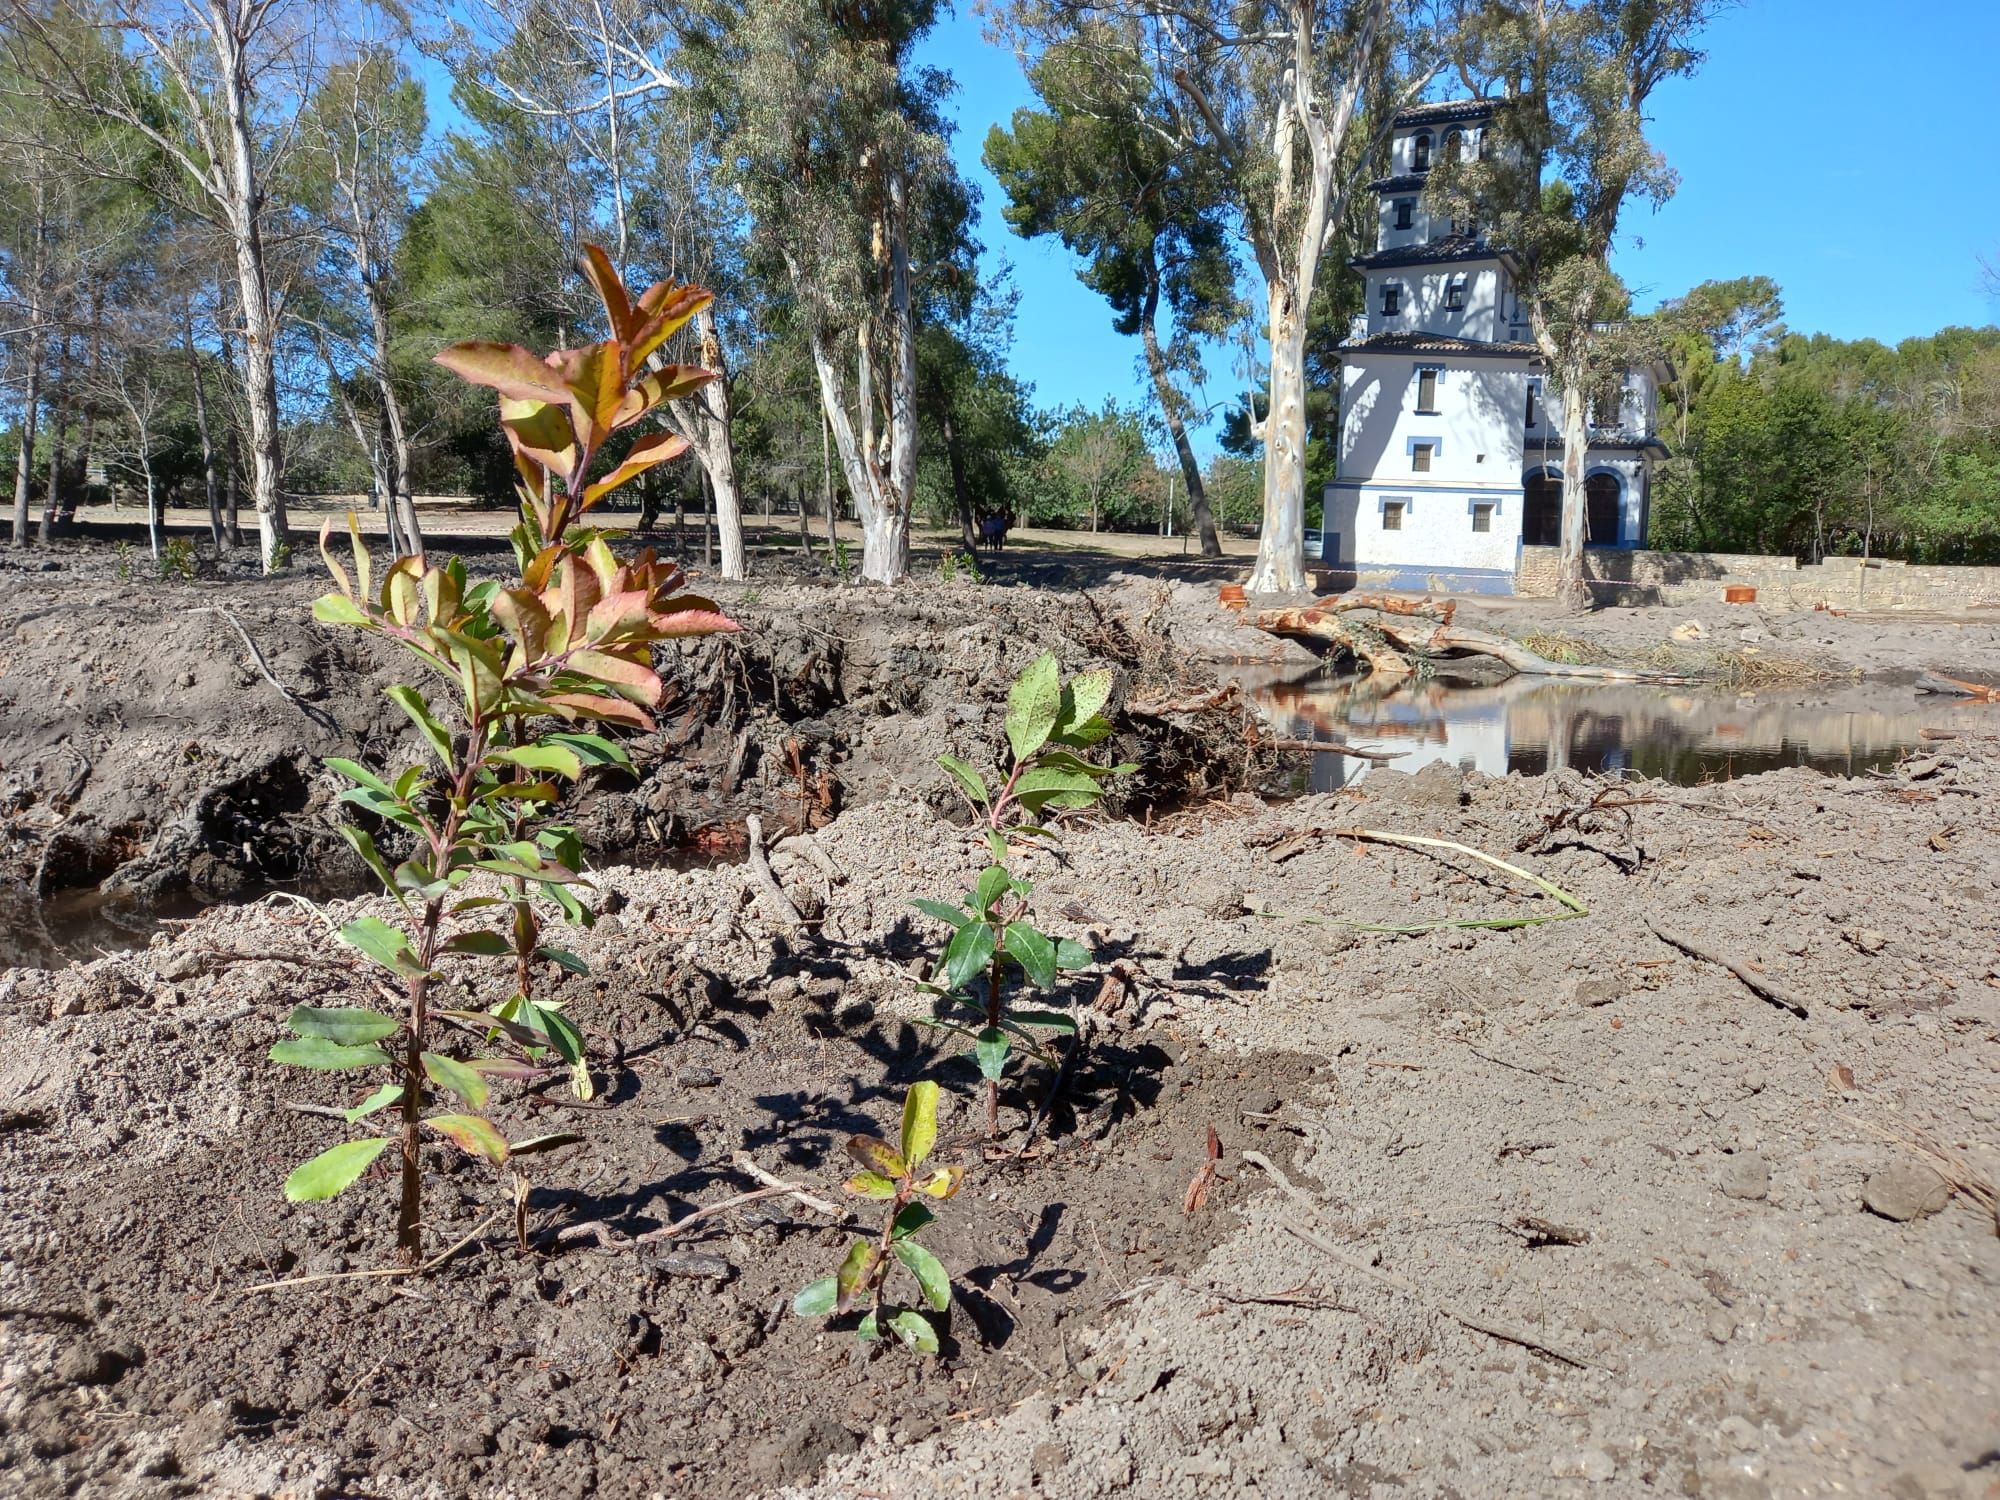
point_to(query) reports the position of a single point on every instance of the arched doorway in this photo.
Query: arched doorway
(1542, 509)
(1603, 509)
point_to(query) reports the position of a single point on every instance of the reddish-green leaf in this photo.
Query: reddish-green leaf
(473, 1134)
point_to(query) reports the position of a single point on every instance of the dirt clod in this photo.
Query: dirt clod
(1904, 1191)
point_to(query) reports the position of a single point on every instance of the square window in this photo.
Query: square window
(1427, 390)
(1482, 518)
(1392, 515)
(1420, 458)
(1406, 213)
(1392, 299)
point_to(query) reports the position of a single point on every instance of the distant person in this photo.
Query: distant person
(993, 530)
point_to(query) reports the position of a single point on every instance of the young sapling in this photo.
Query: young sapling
(896, 1178)
(1049, 722)
(569, 642)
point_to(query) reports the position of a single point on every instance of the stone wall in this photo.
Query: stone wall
(1621, 576)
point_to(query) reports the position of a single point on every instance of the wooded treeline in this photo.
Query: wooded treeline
(1809, 445)
(232, 236)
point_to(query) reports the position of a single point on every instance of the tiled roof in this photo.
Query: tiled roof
(1446, 111)
(1409, 182)
(1436, 343)
(1452, 247)
(1600, 437)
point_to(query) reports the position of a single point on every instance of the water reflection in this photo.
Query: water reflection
(1533, 725)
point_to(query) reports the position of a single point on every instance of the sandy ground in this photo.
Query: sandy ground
(1553, 1209)
(1564, 1209)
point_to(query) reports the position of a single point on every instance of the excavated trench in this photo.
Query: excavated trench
(151, 764)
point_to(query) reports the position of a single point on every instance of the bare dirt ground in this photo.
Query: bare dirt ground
(1569, 1209)
(1554, 1210)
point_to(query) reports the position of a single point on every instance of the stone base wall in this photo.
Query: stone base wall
(1619, 576)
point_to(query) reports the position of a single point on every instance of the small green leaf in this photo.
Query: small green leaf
(388, 946)
(472, 1134)
(1032, 705)
(318, 1052)
(449, 1073)
(338, 609)
(817, 1299)
(968, 953)
(928, 1270)
(919, 1123)
(1056, 786)
(990, 1051)
(363, 844)
(1055, 1020)
(909, 1219)
(484, 944)
(591, 749)
(332, 1170)
(411, 702)
(870, 1185)
(356, 772)
(994, 882)
(563, 959)
(967, 778)
(348, 1026)
(1035, 953)
(556, 760)
(944, 911)
(997, 843)
(866, 1331)
(382, 1098)
(535, 1145)
(915, 1330)
(853, 1273)
(1071, 955)
(1083, 697)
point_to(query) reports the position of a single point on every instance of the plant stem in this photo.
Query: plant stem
(409, 1213)
(993, 1013)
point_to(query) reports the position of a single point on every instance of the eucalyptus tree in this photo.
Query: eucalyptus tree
(72, 215)
(216, 87)
(363, 139)
(1112, 168)
(611, 76)
(1567, 153)
(1291, 99)
(835, 139)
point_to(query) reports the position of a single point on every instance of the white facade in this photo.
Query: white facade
(1447, 441)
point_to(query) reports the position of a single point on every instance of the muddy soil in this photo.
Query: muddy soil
(147, 753)
(1550, 1210)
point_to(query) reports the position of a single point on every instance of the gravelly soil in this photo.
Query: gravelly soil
(1451, 1109)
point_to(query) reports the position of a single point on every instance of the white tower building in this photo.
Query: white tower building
(1450, 458)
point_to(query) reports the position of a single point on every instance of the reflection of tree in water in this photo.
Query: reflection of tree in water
(1534, 726)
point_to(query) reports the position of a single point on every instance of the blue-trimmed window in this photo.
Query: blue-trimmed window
(1454, 294)
(1420, 152)
(1406, 213)
(1427, 389)
(1392, 298)
(1393, 512)
(1421, 455)
(1482, 515)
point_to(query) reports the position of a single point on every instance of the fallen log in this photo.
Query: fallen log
(1952, 687)
(1429, 635)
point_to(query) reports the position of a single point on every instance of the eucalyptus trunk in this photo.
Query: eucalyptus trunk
(31, 405)
(1281, 550)
(1572, 589)
(705, 421)
(260, 375)
(1170, 409)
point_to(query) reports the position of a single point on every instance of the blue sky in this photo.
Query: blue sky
(1844, 148)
